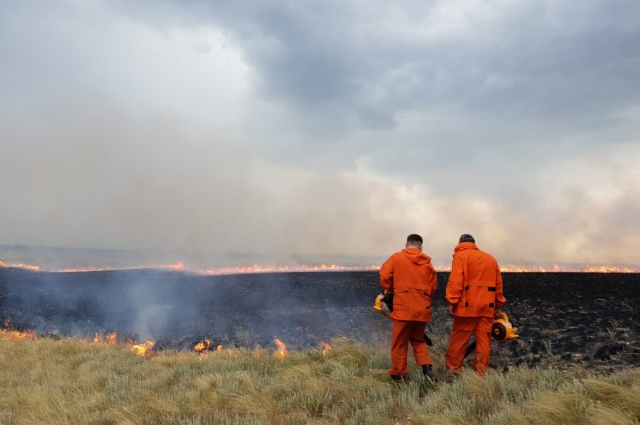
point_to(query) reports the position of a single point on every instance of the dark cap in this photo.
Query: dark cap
(467, 238)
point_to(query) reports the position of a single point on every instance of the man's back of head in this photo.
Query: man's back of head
(466, 238)
(414, 241)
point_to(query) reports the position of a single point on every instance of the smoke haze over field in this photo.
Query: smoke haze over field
(327, 129)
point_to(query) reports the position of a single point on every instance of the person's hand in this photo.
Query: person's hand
(496, 313)
(450, 310)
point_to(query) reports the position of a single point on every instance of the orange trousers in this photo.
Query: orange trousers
(405, 332)
(461, 331)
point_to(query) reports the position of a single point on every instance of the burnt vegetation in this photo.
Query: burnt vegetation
(562, 318)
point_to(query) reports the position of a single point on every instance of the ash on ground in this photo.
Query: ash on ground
(563, 318)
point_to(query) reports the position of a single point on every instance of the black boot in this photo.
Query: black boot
(397, 378)
(428, 373)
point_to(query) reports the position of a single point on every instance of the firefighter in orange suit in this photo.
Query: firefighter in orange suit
(412, 278)
(474, 293)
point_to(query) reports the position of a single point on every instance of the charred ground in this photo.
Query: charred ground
(562, 318)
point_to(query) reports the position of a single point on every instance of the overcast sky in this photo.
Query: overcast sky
(333, 127)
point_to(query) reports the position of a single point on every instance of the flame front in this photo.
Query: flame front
(111, 339)
(30, 334)
(325, 348)
(605, 269)
(144, 350)
(567, 269)
(179, 266)
(11, 334)
(281, 352)
(203, 346)
(32, 267)
(81, 270)
(282, 269)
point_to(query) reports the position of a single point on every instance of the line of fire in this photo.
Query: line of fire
(584, 317)
(180, 266)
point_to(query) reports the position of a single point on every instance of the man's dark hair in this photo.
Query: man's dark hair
(467, 238)
(413, 238)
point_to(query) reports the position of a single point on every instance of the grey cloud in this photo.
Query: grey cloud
(529, 60)
(41, 55)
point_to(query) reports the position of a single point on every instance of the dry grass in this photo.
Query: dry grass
(73, 381)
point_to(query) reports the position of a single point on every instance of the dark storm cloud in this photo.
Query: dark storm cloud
(556, 61)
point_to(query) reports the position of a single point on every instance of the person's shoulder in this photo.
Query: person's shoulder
(487, 255)
(394, 255)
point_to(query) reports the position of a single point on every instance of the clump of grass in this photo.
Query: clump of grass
(72, 381)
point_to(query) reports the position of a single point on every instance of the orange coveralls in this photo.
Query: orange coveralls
(412, 278)
(475, 291)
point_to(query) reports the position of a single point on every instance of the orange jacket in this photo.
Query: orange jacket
(412, 278)
(475, 282)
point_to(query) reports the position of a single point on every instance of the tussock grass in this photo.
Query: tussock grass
(73, 381)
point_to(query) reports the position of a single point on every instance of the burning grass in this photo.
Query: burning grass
(71, 381)
(283, 268)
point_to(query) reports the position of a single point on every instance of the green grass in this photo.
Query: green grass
(72, 381)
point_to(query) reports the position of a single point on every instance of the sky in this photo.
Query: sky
(330, 128)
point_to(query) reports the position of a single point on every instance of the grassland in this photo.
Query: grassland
(72, 381)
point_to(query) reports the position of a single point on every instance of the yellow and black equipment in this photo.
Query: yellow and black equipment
(384, 304)
(502, 331)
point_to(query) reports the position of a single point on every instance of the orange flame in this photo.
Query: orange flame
(9, 334)
(219, 348)
(203, 346)
(31, 267)
(90, 269)
(17, 335)
(606, 269)
(567, 269)
(111, 339)
(144, 350)
(325, 348)
(179, 266)
(280, 269)
(282, 352)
